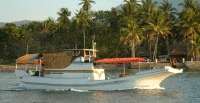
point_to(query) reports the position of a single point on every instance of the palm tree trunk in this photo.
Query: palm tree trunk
(150, 51)
(125, 50)
(192, 47)
(149, 44)
(187, 40)
(155, 50)
(167, 42)
(148, 41)
(133, 49)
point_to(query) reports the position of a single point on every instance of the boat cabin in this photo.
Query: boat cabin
(72, 63)
(62, 59)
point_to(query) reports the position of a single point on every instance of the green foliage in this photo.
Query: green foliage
(63, 17)
(86, 4)
(116, 31)
(168, 10)
(189, 23)
(196, 46)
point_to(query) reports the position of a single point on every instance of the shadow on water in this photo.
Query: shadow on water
(134, 95)
(192, 74)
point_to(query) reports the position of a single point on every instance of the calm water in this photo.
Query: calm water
(179, 88)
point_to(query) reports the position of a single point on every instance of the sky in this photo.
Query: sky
(40, 10)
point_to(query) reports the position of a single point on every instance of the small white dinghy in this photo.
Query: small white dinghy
(75, 69)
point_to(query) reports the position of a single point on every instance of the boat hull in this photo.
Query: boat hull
(150, 78)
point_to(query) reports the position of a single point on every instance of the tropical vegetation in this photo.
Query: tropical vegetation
(117, 32)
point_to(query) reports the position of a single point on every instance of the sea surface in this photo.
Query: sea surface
(179, 88)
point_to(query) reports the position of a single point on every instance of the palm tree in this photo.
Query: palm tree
(64, 14)
(145, 12)
(48, 25)
(196, 47)
(186, 4)
(83, 21)
(158, 26)
(190, 18)
(134, 1)
(196, 6)
(86, 4)
(189, 23)
(189, 4)
(129, 10)
(169, 13)
(131, 34)
(130, 26)
(147, 8)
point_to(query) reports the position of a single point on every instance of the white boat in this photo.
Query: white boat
(75, 69)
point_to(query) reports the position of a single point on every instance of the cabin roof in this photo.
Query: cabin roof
(79, 50)
(141, 52)
(121, 60)
(26, 59)
(177, 49)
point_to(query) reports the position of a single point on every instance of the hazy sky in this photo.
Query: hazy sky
(39, 10)
(16, 10)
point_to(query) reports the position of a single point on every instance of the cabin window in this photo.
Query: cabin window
(69, 53)
(87, 52)
(76, 53)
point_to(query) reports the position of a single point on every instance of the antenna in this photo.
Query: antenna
(93, 44)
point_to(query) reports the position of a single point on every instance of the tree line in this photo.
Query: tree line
(117, 32)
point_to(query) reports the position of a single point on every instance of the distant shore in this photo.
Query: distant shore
(188, 65)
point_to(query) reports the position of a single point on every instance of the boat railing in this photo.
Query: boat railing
(27, 67)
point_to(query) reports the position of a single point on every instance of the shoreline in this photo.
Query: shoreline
(188, 65)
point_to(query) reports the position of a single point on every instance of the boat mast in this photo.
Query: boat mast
(40, 67)
(16, 64)
(93, 44)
